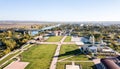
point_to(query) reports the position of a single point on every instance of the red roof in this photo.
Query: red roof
(109, 63)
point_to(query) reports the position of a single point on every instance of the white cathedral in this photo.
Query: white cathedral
(94, 47)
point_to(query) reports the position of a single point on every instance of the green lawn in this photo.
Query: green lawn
(68, 50)
(68, 39)
(39, 56)
(87, 65)
(80, 57)
(72, 50)
(61, 65)
(8, 57)
(100, 56)
(54, 39)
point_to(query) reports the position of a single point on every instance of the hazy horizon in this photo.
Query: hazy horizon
(58, 22)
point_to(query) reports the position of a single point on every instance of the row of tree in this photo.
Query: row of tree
(12, 40)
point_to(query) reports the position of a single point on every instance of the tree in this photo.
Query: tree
(98, 37)
(10, 43)
(24, 41)
(9, 33)
(6, 51)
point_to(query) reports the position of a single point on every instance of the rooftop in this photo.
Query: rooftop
(109, 63)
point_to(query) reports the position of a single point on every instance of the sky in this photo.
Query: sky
(60, 10)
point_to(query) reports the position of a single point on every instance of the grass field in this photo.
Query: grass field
(87, 65)
(54, 39)
(84, 65)
(100, 56)
(68, 50)
(39, 56)
(68, 39)
(61, 65)
(80, 57)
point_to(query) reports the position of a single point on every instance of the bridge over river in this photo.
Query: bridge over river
(32, 31)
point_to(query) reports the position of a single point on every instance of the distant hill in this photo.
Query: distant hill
(45, 22)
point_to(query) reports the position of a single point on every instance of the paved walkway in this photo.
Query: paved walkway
(65, 58)
(55, 58)
(73, 66)
(69, 43)
(37, 42)
(17, 65)
(54, 42)
(21, 50)
(12, 52)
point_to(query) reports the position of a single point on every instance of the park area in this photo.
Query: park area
(84, 65)
(68, 50)
(71, 52)
(68, 39)
(54, 39)
(39, 56)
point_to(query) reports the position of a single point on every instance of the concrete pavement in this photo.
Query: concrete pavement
(55, 58)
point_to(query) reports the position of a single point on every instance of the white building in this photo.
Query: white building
(96, 47)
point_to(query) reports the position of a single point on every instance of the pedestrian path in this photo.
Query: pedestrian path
(19, 50)
(55, 58)
(73, 66)
(65, 58)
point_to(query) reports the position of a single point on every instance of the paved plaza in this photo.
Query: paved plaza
(17, 65)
